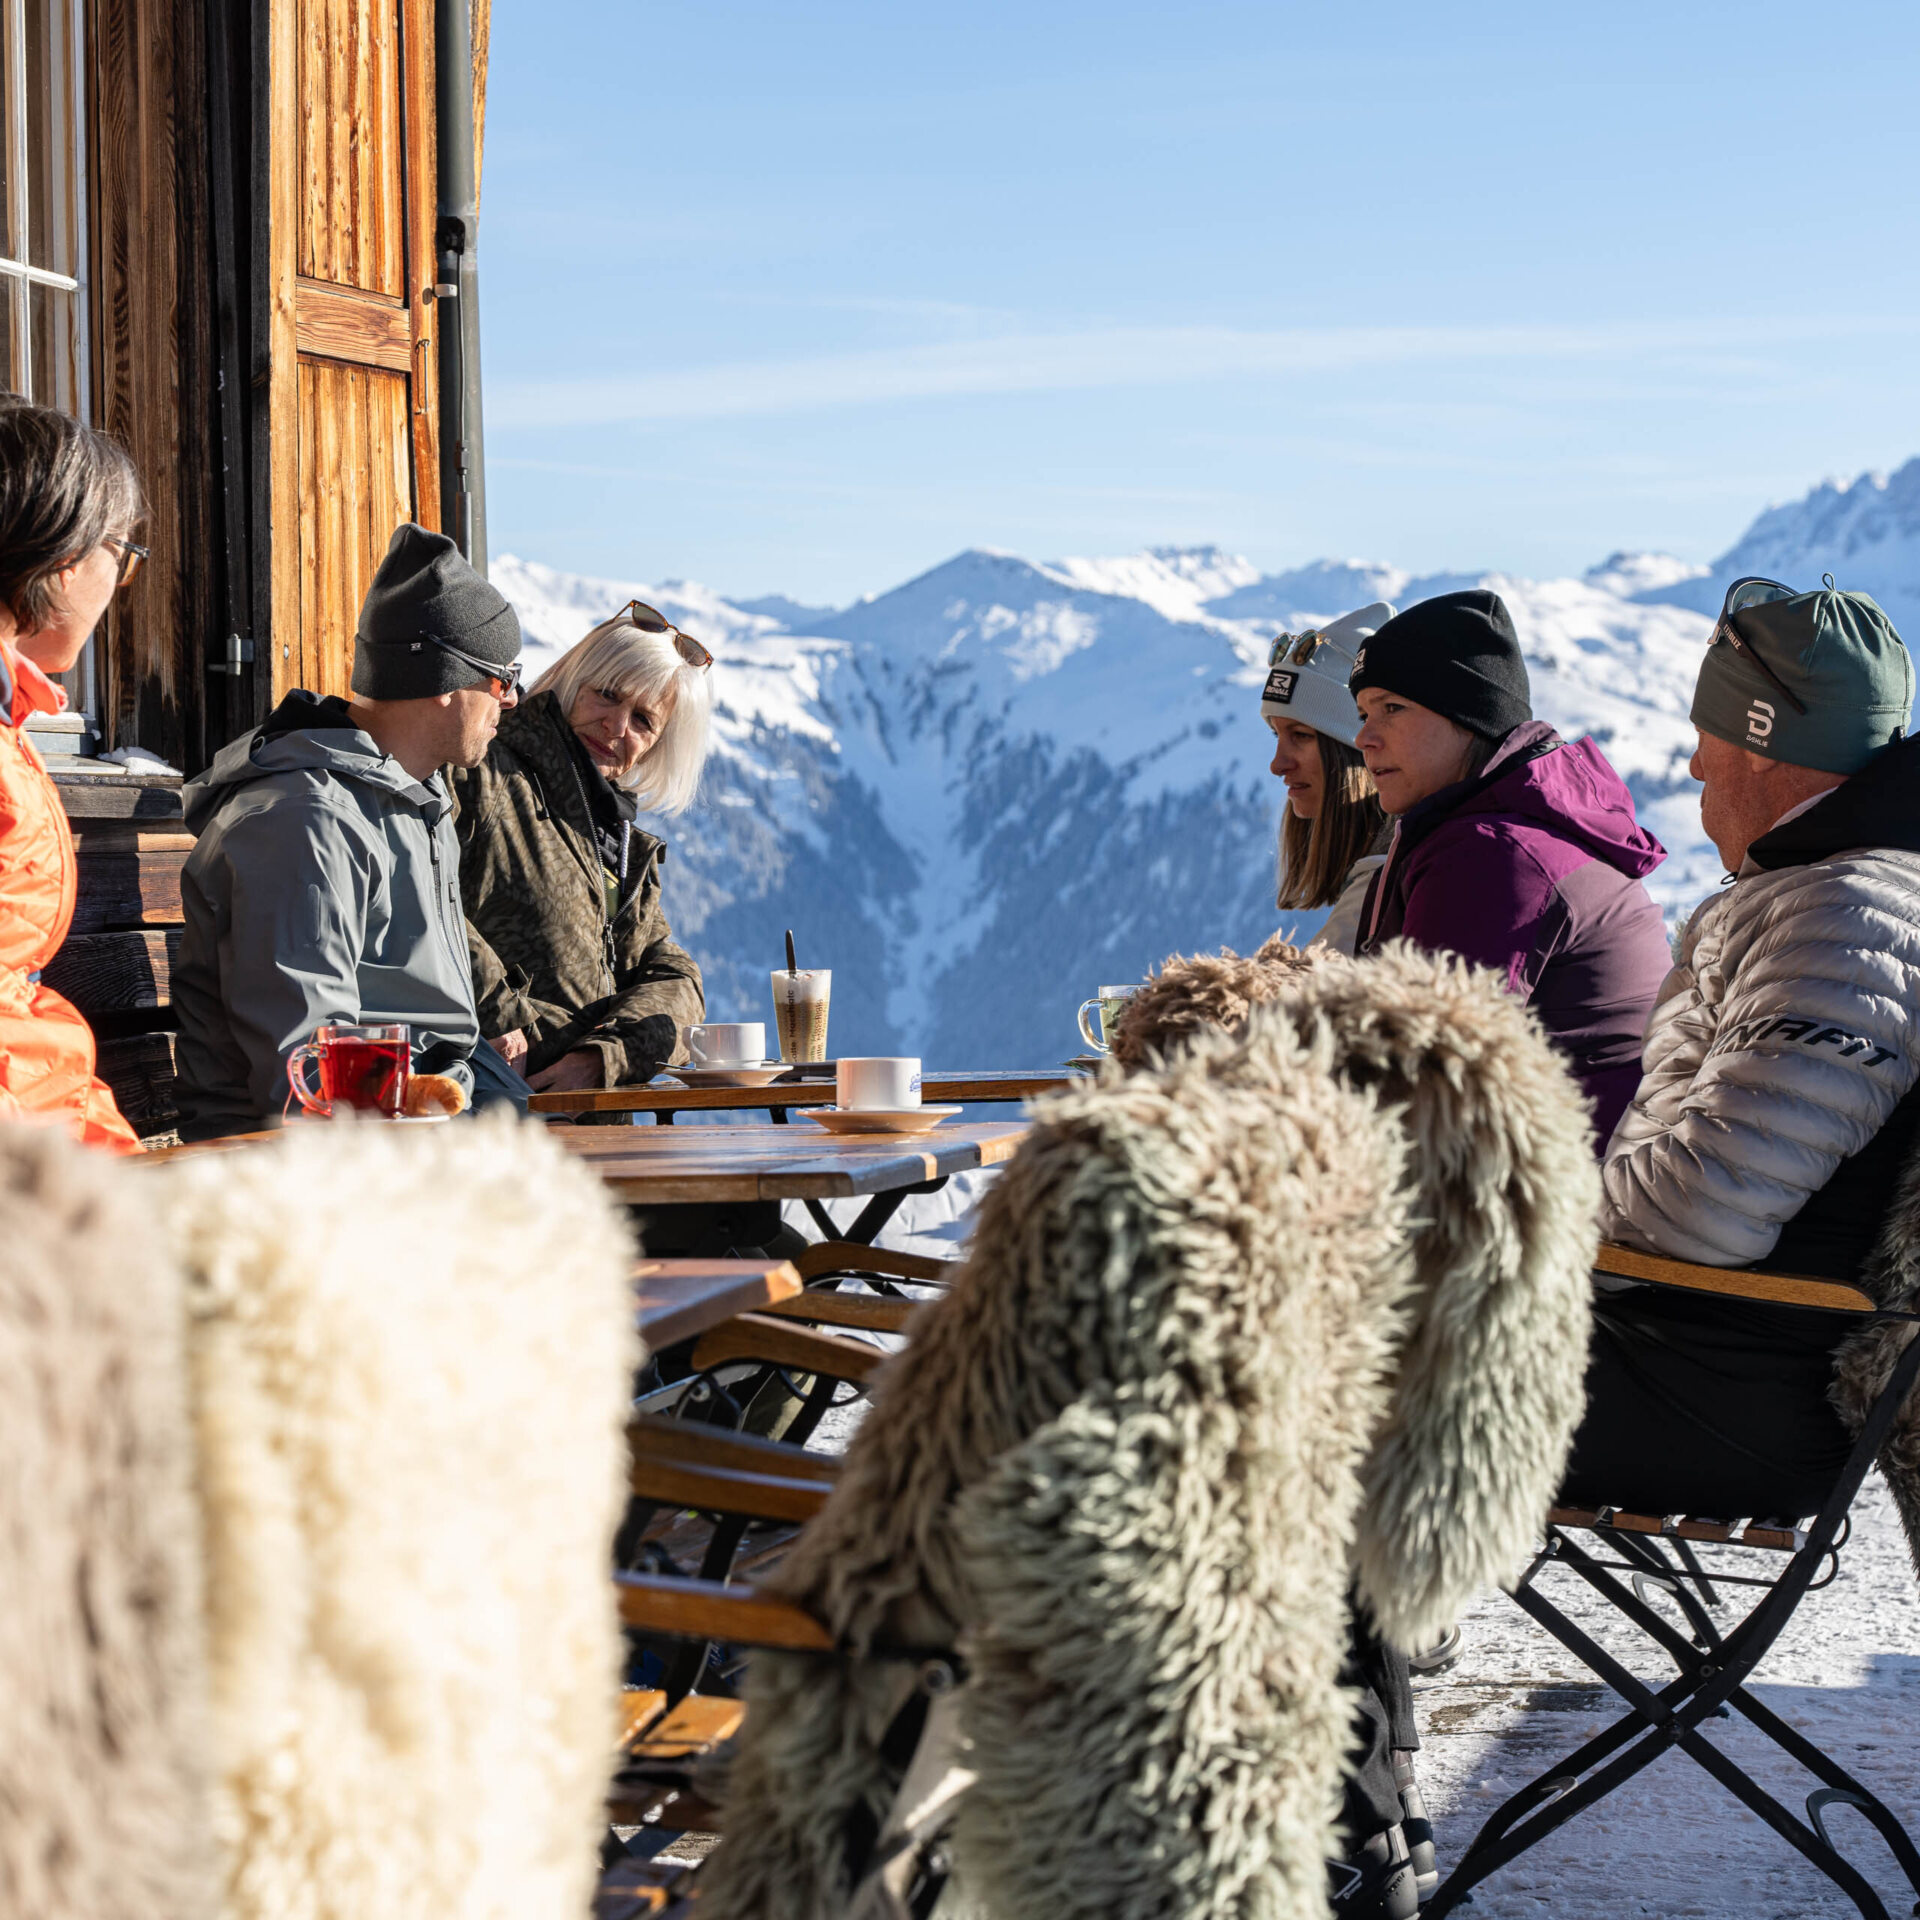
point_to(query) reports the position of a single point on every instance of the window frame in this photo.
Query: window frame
(18, 276)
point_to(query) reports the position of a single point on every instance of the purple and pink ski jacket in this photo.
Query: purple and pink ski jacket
(1533, 868)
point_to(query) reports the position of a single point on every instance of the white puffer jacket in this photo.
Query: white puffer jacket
(1781, 1041)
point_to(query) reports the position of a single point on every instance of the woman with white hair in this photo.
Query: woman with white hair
(576, 974)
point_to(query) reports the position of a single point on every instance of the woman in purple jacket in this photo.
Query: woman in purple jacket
(1511, 847)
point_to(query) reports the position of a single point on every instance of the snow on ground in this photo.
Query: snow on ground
(1673, 1841)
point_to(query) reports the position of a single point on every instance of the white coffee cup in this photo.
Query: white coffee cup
(720, 1044)
(888, 1085)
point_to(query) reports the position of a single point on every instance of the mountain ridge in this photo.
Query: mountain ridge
(990, 789)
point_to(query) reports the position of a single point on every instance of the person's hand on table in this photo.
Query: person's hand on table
(570, 1073)
(511, 1047)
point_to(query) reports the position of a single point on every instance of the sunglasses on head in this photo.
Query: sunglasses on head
(1753, 591)
(650, 620)
(1294, 649)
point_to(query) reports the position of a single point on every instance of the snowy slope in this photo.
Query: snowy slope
(986, 792)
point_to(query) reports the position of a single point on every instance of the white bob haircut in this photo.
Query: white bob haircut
(639, 663)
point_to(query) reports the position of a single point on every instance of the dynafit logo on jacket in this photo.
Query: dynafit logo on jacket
(1806, 1033)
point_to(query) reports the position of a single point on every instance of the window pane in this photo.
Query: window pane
(9, 249)
(56, 347)
(52, 221)
(9, 334)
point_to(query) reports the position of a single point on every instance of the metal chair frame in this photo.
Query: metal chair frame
(1713, 1667)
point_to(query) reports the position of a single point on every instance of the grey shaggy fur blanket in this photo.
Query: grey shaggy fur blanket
(1891, 1279)
(1296, 1313)
(102, 1669)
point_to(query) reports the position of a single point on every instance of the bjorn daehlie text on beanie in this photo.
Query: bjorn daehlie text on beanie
(425, 591)
(1456, 653)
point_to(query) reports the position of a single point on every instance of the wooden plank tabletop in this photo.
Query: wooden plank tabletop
(669, 1096)
(667, 1166)
(680, 1298)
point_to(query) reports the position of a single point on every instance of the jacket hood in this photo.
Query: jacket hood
(304, 733)
(1566, 785)
(1878, 807)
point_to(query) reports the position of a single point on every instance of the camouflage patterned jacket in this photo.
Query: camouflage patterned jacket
(545, 957)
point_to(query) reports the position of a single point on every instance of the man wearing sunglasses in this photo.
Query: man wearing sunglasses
(1780, 1102)
(325, 883)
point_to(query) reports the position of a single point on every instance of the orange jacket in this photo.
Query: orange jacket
(46, 1048)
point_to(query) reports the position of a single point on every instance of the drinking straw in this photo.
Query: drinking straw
(793, 966)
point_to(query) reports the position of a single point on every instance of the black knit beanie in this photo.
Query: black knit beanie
(425, 591)
(1456, 653)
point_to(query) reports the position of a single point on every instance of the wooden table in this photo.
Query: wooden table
(679, 1298)
(664, 1098)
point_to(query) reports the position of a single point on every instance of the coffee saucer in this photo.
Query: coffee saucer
(878, 1119)
(746, 1073)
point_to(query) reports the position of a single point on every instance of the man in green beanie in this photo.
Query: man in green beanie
(324, 886)
(1780, 1101)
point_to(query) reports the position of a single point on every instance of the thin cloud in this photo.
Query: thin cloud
(1129, 357)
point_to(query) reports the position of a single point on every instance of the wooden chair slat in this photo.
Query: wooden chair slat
(640, 1707)
(706, 1610)
(848, 1256)
(697, 1725)
(711, 1489)
(871, 1313)
(658, 1436)
(1678, 1526)
(756, 1336)
(1779, 1289)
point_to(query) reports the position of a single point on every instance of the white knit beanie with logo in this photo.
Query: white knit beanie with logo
(1308, 676)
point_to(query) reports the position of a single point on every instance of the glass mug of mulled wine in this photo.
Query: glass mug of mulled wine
(1106, 1008)
(364, 1067)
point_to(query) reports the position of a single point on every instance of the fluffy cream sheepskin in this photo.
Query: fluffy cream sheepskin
(1286, 1313)
(102, 1667)
(411, 1353)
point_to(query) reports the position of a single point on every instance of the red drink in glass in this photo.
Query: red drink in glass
(368, 1074)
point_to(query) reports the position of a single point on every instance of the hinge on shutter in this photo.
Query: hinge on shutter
(239, 656)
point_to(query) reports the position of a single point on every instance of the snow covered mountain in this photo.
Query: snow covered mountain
(987, 792)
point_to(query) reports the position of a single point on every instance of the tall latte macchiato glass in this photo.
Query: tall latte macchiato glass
(800, 1008)
(1105, 1007)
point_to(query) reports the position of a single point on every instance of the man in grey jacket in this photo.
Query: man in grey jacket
(324, 885)
(1781, 1090)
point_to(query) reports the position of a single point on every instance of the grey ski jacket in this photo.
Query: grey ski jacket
(324, 886)
(1782, 1043)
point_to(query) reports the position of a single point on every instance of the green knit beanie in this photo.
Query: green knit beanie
(1835, 653)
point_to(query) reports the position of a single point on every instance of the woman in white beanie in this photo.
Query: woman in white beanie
(1333, 832)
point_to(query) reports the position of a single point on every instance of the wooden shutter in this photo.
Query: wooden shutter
(354, 445)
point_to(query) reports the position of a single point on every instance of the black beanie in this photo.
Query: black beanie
(1456, 653)
(424, 588)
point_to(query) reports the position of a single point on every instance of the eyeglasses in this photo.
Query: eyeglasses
(650, 620)
(501, 681)
(132, 558)
(1304, 646)
(1753, 591)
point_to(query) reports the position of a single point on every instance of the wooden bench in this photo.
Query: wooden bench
(117, 963)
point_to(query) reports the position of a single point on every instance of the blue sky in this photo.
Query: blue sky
(805, 299)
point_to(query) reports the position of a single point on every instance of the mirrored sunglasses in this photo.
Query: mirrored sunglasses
(502, 681)
(1294, 649)
(651, 620)
(1753, 591)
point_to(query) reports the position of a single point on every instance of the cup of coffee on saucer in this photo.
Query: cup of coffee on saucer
(1106, 1007)
(878, 1094)
(723, 1053)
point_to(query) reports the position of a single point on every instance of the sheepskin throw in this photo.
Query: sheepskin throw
(1290, 1314)
(102, 1668)
(411, 1353)
(1891, 1278)
(1190, 994)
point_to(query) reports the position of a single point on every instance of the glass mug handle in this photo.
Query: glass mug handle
(297, 1080)
(1092, 1039)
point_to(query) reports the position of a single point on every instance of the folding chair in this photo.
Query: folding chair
(1713, 1664)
